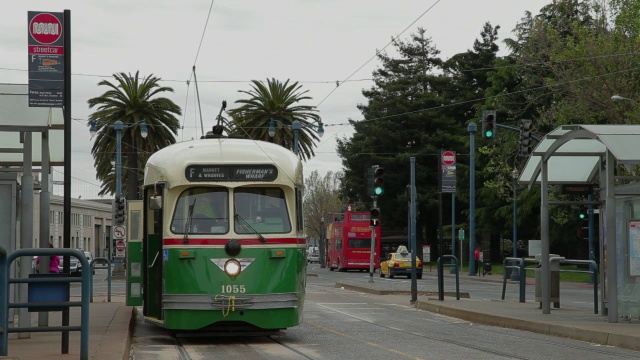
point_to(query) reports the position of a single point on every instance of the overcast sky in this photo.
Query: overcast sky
(314, 42)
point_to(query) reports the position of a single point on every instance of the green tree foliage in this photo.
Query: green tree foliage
(130, 99)
(396, 127)
(563, 66)
(281, 102)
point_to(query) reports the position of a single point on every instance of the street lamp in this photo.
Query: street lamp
(514, 174)
(322, 243)
(118, 126)
(621, 98)
(296, 125)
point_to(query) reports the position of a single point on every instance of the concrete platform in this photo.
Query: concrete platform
(109, 334)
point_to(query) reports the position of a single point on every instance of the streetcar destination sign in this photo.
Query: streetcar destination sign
(231, 173)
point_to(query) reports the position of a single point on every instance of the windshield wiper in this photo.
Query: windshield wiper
(187, 225)
(246, 225)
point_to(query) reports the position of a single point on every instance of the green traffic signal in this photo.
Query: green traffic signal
(583, 213)
(378, 182)
(489, 124)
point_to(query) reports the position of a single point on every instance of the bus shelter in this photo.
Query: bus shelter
(587, 154)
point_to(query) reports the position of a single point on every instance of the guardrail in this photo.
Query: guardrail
(52, 293)
(92, 265)
(593, 270)
(520, 268)
(441, 276)
(561, 260)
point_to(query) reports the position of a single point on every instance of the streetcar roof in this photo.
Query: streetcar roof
(168, 164)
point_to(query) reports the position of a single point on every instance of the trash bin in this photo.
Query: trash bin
(555, 281)
(486, 268)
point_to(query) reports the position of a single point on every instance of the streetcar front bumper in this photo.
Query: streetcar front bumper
(230, 302)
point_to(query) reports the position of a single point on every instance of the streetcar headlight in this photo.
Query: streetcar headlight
(232, 267)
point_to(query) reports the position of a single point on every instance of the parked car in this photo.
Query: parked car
(75, 266)
(313, 257)
(399, 263)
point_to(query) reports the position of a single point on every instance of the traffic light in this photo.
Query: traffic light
(120, 210)
(583, 233)
(378, 181)
(582, 214)
(375, 217)
(370, 178)
(489, 125)
(525, 137)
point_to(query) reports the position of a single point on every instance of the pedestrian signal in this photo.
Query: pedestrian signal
(375, 217)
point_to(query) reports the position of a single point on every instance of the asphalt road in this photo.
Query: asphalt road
(343, 324)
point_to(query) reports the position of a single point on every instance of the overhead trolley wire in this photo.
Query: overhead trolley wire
(377, 52)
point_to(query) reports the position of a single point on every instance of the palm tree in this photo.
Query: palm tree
(277, 101)
(129, 100)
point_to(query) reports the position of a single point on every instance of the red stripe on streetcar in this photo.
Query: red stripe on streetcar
(250, 241)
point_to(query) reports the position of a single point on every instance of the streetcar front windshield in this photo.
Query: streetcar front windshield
(264, 210)
(209, 210)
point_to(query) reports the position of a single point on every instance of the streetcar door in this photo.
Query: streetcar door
(134, 253)
(152, 252)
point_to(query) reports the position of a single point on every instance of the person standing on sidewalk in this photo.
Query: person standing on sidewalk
(54, 262)
(476, 257)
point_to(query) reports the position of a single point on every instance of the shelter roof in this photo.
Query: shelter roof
(17, 116)
(574, 152)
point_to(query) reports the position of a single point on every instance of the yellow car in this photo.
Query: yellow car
(399, 263)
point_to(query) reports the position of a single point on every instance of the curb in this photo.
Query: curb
(575, 332)
(463, 295)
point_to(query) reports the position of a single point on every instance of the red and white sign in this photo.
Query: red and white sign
(448, 158)
(120, 248)
(120, 245)
(119, 232)
(45, 28)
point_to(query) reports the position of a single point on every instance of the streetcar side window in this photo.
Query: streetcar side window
(264, 209)
(209, 209)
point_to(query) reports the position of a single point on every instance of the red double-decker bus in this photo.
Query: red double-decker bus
(348, 241)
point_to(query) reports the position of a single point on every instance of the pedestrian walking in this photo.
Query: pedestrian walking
(476, 257)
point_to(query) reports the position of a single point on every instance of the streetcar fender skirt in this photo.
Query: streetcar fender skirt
(230, 302)
(240, 318)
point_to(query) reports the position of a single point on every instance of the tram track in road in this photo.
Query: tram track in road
(159, 344)
(263, 347)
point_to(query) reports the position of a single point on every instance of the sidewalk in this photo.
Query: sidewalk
(579, 324)
(109, 335)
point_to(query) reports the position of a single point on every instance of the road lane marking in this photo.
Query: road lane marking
(361, 340)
